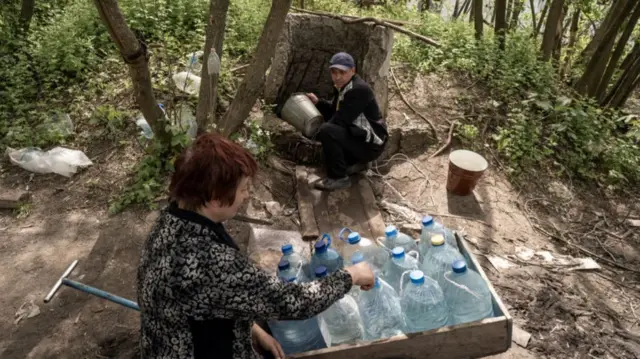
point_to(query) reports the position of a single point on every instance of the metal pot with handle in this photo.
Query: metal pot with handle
(302, 114)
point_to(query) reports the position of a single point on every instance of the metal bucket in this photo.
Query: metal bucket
(302, 114)
(465, 169)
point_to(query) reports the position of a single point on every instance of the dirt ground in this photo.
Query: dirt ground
(570, 314)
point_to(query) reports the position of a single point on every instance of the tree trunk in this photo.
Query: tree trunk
(573, 35)
(628, 60)
(533, 14)
(501, 21)
(208, 96)
(456, 6)
(135, 55)
(26, 13)
(590, 79)
(509, 11)
(462, 9)
(624, 86)
(551, 29)
(479, 19)
(557, 47)
(609, 20)
(249, 89)
(543, 15)
(517, 9)
(617, 53)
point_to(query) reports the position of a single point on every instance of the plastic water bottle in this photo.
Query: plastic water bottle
(326, 256)
(356, 258)
(375, 255)
(394, 238)
(297, 336)
(439, 258)
(380, 311)
(399, 263)
(467, 294)
(429, 229)
(285, 271)
(297, 261)
(423, 304)
(342, 318)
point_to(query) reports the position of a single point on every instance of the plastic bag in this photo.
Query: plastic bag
(187, 120)
(187, 82)
(60, 160)
(59, 124)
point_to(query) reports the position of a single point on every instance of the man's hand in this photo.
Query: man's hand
(266, 342)
(312, 97)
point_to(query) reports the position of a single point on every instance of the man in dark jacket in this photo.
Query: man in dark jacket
(354, 132)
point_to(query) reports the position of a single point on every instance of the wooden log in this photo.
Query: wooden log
(376, 223)
(308, 225)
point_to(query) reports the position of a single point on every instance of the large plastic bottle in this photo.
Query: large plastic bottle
(342, 318)
(467, 294)
(356, 258)
(297, 261)
(298, 336)
(423, 304)
(439, 258)
(326, 256)
(399, 264)
(380, 311)
(375, 255)
(285, 271)
(430, 228)
(394, 238)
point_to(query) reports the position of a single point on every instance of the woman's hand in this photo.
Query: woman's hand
(362, 275)
(266, 342)
(312, 97)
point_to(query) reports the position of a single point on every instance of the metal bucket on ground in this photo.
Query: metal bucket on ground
(465, 169)
(302, 114)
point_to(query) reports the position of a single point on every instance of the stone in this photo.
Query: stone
(305, 47)
(12, 198)
(273, 208)
(633, 222)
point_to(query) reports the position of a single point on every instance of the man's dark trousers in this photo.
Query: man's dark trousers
(342, 150)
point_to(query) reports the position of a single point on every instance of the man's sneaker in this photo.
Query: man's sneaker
(331, 184)
(357, 168)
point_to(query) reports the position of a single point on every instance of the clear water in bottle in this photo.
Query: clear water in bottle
(438, 259)
(342, 318)
(399, 263)
(429, 229)
(375, 255)
(297, 261)
(380, 311)
(285, 271)
(298, 336)
(467, 294)
(423, 304)
(395, 238)
(326, 256)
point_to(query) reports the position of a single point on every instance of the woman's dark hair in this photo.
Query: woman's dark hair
(210, 169)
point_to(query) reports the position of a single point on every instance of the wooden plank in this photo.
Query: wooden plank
(12, 198)
(308, 224)
(374, 218)
(471, 340)
(461, 341)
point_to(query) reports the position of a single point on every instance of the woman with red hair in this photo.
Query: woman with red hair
(199, 296)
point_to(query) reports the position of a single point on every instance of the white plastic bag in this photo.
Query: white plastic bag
(187, 120)
(187, 82)
(60, 160)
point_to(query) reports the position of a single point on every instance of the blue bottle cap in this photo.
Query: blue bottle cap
(427, 221)
(353, 238)
(391, 231)
(459, 266)
(287, 248)
(320, 246)
(283, 265)
(397, 252)
(357, 257)
(321, 271)
(416, 277)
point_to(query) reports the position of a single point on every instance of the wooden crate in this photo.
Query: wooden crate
(471, 340)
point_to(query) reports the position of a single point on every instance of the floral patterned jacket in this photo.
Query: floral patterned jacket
(199, 295)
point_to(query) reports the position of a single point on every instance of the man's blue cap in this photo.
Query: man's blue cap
(342, 61)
